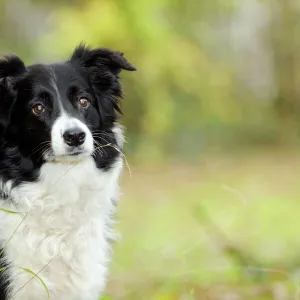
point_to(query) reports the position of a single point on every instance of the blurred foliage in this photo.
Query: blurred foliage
(176, 80)
(181, 94)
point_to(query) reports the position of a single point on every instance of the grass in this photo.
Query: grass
(225, 228)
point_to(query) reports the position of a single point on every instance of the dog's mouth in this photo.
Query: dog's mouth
(73, 155)
(76, 151)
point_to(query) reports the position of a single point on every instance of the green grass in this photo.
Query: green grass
(179, 222)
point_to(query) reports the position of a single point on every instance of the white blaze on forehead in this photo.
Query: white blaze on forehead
(64, 123)
(60, 126)
(55, 87)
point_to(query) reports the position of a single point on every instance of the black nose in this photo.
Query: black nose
(74, 137)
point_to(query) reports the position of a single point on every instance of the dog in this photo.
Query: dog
(60, 160)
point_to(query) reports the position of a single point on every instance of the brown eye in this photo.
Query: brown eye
(85, 103)
(38, 109)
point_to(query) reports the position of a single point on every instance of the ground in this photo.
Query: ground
(224, 228)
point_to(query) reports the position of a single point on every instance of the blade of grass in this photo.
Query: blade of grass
(11, 211)
(35, 275)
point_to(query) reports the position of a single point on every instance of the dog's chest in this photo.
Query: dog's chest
(64, 234)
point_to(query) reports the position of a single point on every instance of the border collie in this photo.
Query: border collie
(60, 160)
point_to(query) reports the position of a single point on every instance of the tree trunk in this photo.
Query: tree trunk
(285, 38)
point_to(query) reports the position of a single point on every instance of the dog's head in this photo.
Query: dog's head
(62, 111)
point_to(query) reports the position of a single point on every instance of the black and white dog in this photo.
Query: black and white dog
(60, 160)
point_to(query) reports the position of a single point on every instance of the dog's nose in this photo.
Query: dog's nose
(74, 137)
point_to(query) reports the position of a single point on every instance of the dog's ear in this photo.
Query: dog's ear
(101, 57)
(10, 68)
(103, 67)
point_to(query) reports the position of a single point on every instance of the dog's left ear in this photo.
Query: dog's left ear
(103, 66)
(114, 61)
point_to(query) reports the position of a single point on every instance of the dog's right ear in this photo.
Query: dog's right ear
(11, 67)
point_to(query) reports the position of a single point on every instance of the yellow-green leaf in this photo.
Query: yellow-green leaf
(10, 211)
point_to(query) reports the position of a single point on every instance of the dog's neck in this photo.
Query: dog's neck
(67, 216)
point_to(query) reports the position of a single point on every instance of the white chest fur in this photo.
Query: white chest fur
(63, 235)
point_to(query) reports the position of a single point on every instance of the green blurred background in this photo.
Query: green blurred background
(212, 208)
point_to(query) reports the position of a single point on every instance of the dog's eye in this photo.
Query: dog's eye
(38, 109)
(83, 102)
